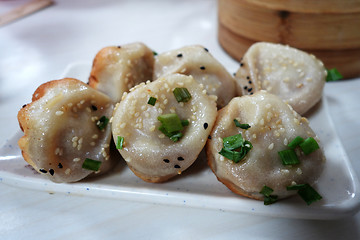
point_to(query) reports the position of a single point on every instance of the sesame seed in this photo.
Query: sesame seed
(76, 159)
(60, 165)
(166, 160)
(206, 125)
(92, 144)
(67, 171)
(298, 171)
(180, 158)
(176, 166)
(51, 171)
(179, 55)
(271, 146)
(202, 68)
(59, 113)
(42, 170)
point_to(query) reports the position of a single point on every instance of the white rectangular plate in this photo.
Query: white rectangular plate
(198, 186)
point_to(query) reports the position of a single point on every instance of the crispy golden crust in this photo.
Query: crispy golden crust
(150, 179)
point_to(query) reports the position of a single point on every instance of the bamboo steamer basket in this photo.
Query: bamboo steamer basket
(329, 29)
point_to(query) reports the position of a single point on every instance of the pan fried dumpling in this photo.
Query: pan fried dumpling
(65, 124)
(161, 127)
(273, 125)
(293, 75)
(117, 69)
(202, 66)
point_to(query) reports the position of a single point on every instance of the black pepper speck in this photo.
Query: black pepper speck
(118, 46)
(180, 158)
(206, 125)
(93, 107)
(206, 49)
(60, 165)
(51, 171)
(176, 166)
(179, 55)
(166, 160)
(23, 105)
(250, 82)
(241, 64)
(245, 87)
(250, 89)
(248, 77)
(202, 68)
(209, 137)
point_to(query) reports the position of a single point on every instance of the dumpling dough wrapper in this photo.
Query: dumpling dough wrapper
(61, 130)
(293, 75)
(116, 69)
(150, 154)
(274, 124)
(198, 62)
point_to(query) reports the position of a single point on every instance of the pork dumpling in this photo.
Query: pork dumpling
(272, 126)
(65, 124)
(293, 75)
(117, 69)
(161, 127)
(199, 63)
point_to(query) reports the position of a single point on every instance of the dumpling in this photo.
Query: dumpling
(65, 125)
(161, 127)
(117, 69)
(201, 65)
(293, 75)
(273, 125)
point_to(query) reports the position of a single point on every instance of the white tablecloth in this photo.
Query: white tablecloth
(37, 48)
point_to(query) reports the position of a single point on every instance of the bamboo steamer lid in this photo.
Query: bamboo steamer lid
(329, 29)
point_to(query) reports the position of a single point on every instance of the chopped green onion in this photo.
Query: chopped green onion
(171, 122)
(295, 187)
(90, 164)
(266, 191)
(288, 157)
(241, 125)
(333, 75)
(182, 94)
(309, 145)
(235, 147)
(152, 101)
(171, 125)
(176, 136)
(306, 192)
(120, 142)
(268, 198)
(296, 142)
(103, 121)
(184, 123)
(155, 53)
(233, 142)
